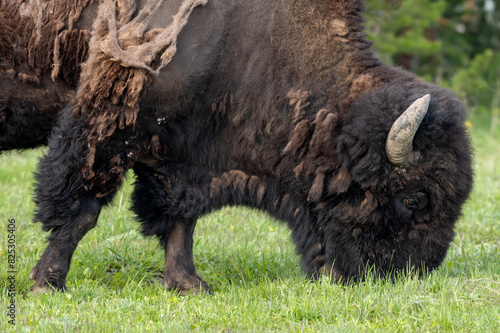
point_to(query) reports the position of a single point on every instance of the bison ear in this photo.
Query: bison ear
(399, 143)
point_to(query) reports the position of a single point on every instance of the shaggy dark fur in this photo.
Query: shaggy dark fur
(279, 105)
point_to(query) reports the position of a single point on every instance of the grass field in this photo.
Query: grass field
(249, 260)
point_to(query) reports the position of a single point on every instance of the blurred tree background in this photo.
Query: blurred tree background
(454, 43)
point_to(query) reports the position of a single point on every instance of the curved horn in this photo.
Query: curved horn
(399, 144)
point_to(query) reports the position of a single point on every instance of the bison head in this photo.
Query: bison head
(408, 158)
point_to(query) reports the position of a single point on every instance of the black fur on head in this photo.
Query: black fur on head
(391, 216)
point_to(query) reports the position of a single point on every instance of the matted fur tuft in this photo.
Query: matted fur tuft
(39, 29)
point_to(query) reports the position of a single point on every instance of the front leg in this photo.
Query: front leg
(69, 197)
(180, 272)
(52, 269)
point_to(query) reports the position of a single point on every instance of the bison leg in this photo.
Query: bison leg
(180, 273)
(51, 270)
(69, 203)
(157, 202)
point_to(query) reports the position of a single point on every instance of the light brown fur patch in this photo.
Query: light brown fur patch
(340, 182)
(317, 188)
(364, 83)
(339, 27)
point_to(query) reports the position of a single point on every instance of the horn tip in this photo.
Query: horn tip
(426, 98)
(422, 105)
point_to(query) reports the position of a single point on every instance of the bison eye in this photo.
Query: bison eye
(416, 201)
(411, 203)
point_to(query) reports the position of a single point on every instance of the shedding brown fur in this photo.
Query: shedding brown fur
(122, 55)
(34, 32)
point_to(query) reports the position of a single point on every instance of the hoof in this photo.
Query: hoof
(188, 285)
(41, 290)
(46, 281)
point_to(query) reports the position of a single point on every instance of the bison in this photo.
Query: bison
(278, 105)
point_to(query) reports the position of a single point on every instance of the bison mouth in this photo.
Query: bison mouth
(413, 251)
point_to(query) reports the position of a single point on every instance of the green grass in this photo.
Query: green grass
(249, 260)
